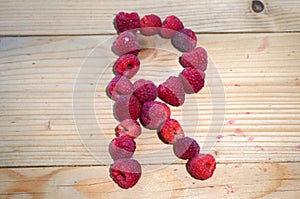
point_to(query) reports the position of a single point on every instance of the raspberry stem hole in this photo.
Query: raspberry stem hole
(207, 166)
(122, 175)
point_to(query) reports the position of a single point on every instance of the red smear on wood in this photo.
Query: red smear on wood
(230, 122)
(264, 44)
(229, 189)
(219, 137)
(237, 166)
(263, 169)
(237, 85)
(250, 138)
(240, 132)
(298, 147)
(247, 112)
(260, 147)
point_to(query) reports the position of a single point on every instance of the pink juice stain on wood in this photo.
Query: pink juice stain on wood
(239, 132)
(260, 147)
(264, 44)
(219, 137)
(229, 190)
(238, 85)
(298, 147)
(263, 169)
(250, 138)
(230, 122)
(247, 113)
(237, 166)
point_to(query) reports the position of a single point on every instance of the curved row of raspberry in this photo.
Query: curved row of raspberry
(183, 39)
(172, 91)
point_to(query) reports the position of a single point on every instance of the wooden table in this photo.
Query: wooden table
(44, 154)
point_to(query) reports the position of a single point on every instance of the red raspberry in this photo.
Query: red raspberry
(170, 26)
(172, 91)
(122, 147)
(127, 107)
(118, 86)
(126, 43)
(150, 24)
(196, 58)
(186, 148)
(184, 40)
(171, 131)
(130, 128)
(192, 80)
(127, 65)
(154, 114)
(201, 166)
(145, 90)
(126, 172)
(127, 21)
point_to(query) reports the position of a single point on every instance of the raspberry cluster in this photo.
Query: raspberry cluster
(137, 100)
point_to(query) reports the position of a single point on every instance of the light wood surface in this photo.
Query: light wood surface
(31, 17)
(56, 121)
(259, 180)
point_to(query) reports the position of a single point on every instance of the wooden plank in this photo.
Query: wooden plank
(259, 180)
(31, 17)
(38, 124)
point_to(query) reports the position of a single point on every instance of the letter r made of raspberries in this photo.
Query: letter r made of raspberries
(135, 103)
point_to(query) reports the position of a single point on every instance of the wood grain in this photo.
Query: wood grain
(258, 117)
(30, 17)
(259, 180)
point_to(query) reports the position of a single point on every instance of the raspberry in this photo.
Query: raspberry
(118, 86)
(154, 114)
(201, 166)
(122, 147)
(130, 128)
(172, 91)
(127, 21)
(170, 26)
(184, 40)
(127, 65)
(126, 172)
(127, 107)
(150, 24)
(192, 80)
(145, 90)
(186, 148)
(126, 43)
(171, 131)
(196, 58)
